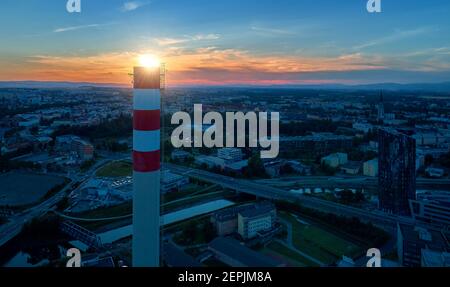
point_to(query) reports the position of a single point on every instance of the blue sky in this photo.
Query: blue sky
(212, 42)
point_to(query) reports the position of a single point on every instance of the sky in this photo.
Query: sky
(227, 42)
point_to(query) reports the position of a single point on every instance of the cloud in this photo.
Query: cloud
(132, 5)
(74, 28)
(187, 38)
(212, 65)
(201, 37)
(169, 41)
(397, 35)
(271, 31)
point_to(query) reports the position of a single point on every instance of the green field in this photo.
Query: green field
(113, 211)
(294, 259)
(319, 243)
(116, 169)
(186, 191)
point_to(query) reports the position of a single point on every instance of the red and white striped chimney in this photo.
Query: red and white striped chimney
(146, 165)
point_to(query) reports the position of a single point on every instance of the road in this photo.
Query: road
(14, 226)
(349, 182)
(378, 218)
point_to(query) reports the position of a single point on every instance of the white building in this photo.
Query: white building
(210, 161)
(258, 218)
(171, 181)
(363, 127)
(371, 168)
(335, 160)
(230, 154)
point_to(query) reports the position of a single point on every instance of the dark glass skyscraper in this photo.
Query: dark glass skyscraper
(397, 171)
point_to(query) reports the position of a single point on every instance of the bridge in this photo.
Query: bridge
(6, 212)
(387, 221)
(82, 234)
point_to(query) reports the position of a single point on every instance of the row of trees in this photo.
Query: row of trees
(116, 128)
(303, 128)
(366, 232)
(194, 232)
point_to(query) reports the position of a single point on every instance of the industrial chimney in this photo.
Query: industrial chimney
(146, 165)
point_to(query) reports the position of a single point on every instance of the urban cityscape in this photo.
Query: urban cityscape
(362, 167)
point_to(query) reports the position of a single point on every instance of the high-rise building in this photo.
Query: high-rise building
(397, 171)
(146, 166)
(380, 108)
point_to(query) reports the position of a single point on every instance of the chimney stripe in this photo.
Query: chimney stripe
(146, 161)
(146, 120)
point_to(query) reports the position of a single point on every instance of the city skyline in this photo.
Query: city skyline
(232, 43)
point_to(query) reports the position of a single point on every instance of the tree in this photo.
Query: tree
(256, 167)
(445, 160)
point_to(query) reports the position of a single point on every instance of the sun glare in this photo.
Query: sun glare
(149, 61)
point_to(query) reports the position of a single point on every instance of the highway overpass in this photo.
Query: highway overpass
(378, 218)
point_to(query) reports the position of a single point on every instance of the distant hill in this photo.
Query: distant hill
(60, 85)
(431, 87)
(438, 87)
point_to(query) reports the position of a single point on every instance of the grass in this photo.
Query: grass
(319, 243)
(188, 190)
(118, 210)
(116, 169)
(188, 201)
(293, 258)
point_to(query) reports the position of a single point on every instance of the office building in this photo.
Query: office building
(397, 171)
(412, 240)
(172, 182)
(230, 154)
(370, 168)
(259, 218)
(431, 208)
(246, 219)
(335, 160)
(380, 109)
(84, 149)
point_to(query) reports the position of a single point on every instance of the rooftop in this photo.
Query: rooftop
(244, 255)
(429, 238)
(257, 210)
(175, 257)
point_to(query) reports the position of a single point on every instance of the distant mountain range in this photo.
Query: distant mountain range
(431, 87)
(59, 85)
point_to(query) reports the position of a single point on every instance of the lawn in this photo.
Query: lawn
(118, 210)
(319, 243)
(186, 191)
(113, 211)
(293, 258)
(116, 169)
